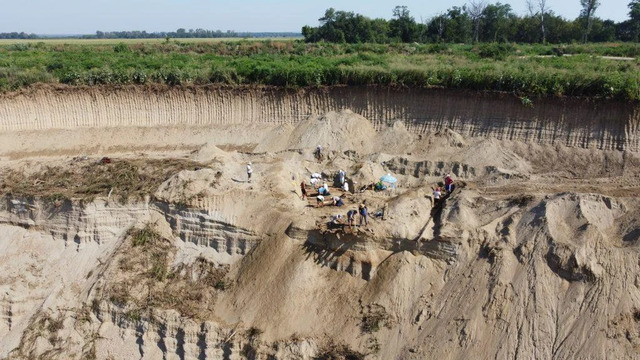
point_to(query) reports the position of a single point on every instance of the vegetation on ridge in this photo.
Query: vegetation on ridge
(525, 70)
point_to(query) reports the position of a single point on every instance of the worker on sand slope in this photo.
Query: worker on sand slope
(341, 176)
(364, 214)
(249, 171)
(448, 184)
(337, 201)
(437, 194)
(303, 189)
(351, 217)
(345, 186)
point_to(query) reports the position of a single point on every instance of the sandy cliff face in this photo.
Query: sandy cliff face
(599, 124)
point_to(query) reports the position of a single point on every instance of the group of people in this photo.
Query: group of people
(338, 201)
(448, 188)
(323, 190)
(363, 211)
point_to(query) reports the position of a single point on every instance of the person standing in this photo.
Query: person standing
(341, 176)
(249, 171)
(303, 189)
(364, 214)
(437, 194)
(448, 184)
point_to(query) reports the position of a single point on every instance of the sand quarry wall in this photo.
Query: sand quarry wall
(600, 124)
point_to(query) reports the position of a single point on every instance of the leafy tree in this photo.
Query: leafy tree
(403, 26)
(436, 27)
(379, 31)
(475, 11)
(634, 22)
(540, 9)
(559, 30)
(588, 9)
(497, 23)
(346, 26)
(527, 30)
(458, 28)
(603, 30)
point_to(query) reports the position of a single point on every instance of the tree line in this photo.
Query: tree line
(17, 35)
(478, 21)
(180, 33)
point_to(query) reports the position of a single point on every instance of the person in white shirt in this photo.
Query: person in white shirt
(437, 194)
(249, 171)
(341, 175)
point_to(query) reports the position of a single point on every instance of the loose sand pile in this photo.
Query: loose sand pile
(334, 131)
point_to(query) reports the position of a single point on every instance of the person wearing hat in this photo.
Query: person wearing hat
(448, 184)
(249, 171)
(364, 213)
(436, 196)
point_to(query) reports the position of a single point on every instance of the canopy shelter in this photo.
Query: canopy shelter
(386, 180)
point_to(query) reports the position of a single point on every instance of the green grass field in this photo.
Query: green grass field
(524, 70)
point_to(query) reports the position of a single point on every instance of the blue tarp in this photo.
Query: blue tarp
(388, 179)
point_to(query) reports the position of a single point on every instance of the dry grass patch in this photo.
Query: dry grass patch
(144, 279)
(122, 179)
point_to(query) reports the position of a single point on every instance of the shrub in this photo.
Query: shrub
(121, 47)
(495, 50)
(18, 47)
(144, 236)
(71, 78)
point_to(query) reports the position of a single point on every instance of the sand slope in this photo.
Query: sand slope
(535, 254)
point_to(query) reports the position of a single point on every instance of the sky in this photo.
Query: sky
(88, 16)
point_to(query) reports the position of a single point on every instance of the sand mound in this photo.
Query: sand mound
(277, 139)
(334, 131)
(453, 138)
(368, 172)
(186, 185)
(208, 152)
(570, 216)
(395, 139)
(491, 153)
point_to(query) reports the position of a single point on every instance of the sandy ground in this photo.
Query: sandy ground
(534, 255)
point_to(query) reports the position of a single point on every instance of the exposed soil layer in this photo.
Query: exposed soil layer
(601, 124)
